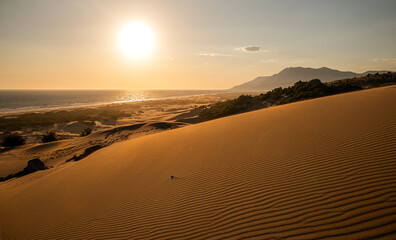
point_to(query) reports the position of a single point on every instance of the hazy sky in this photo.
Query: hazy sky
(198, 44)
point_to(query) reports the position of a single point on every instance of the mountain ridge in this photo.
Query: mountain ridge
(290, 75)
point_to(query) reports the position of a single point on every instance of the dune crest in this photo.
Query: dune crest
(323, 168)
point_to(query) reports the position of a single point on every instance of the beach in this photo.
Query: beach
(137, 119)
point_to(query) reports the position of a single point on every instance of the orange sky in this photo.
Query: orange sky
(198, 44)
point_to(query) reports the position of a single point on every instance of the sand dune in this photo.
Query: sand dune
(318, 169)
(57, 153)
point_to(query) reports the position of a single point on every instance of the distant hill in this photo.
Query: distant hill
(289, 76)
(301, 90)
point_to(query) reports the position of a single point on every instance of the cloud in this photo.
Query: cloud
(215, 55)
(252, 49)
(270, 61)
(384, 59)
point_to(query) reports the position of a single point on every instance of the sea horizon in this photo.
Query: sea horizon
(21, 100)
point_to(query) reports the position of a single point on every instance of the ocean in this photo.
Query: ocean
(24, 100)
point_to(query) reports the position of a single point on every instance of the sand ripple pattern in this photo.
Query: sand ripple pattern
(280, 173)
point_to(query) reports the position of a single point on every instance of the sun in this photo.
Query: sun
(136, 39)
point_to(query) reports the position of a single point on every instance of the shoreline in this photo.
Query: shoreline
(141, 118)
(113, 103)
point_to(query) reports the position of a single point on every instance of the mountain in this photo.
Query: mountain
(289, 76)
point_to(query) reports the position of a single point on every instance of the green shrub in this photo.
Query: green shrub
(298, 92)
(86, 132)
(33, 120)
(13, 139)
(49, 137)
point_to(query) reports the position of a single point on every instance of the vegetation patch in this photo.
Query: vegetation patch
(37, 119)
(86, 132)
(13, 139)
(298, 92)
(49, 137)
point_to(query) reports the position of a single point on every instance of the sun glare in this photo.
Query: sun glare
(136, 39)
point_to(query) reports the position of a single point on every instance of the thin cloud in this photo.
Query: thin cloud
(384, 59)
(270, 61)
(215, 55)
(252, 49)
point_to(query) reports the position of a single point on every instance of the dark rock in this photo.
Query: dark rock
(9, 177)
(6, 178)
(123, 128)
(33, 165)
(91, 150)
(87, 152)
(164, 125)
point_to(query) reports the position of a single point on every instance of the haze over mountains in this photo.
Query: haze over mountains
(289, 76)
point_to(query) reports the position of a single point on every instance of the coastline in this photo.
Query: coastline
(222, 95)
(141, 118)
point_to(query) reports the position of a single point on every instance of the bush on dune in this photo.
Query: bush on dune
(298, 92)
(49, 137)
(31, 120)
(229, 107)
(86, 132)
(13, 139)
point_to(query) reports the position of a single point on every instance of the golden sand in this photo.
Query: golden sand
(322, 168)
